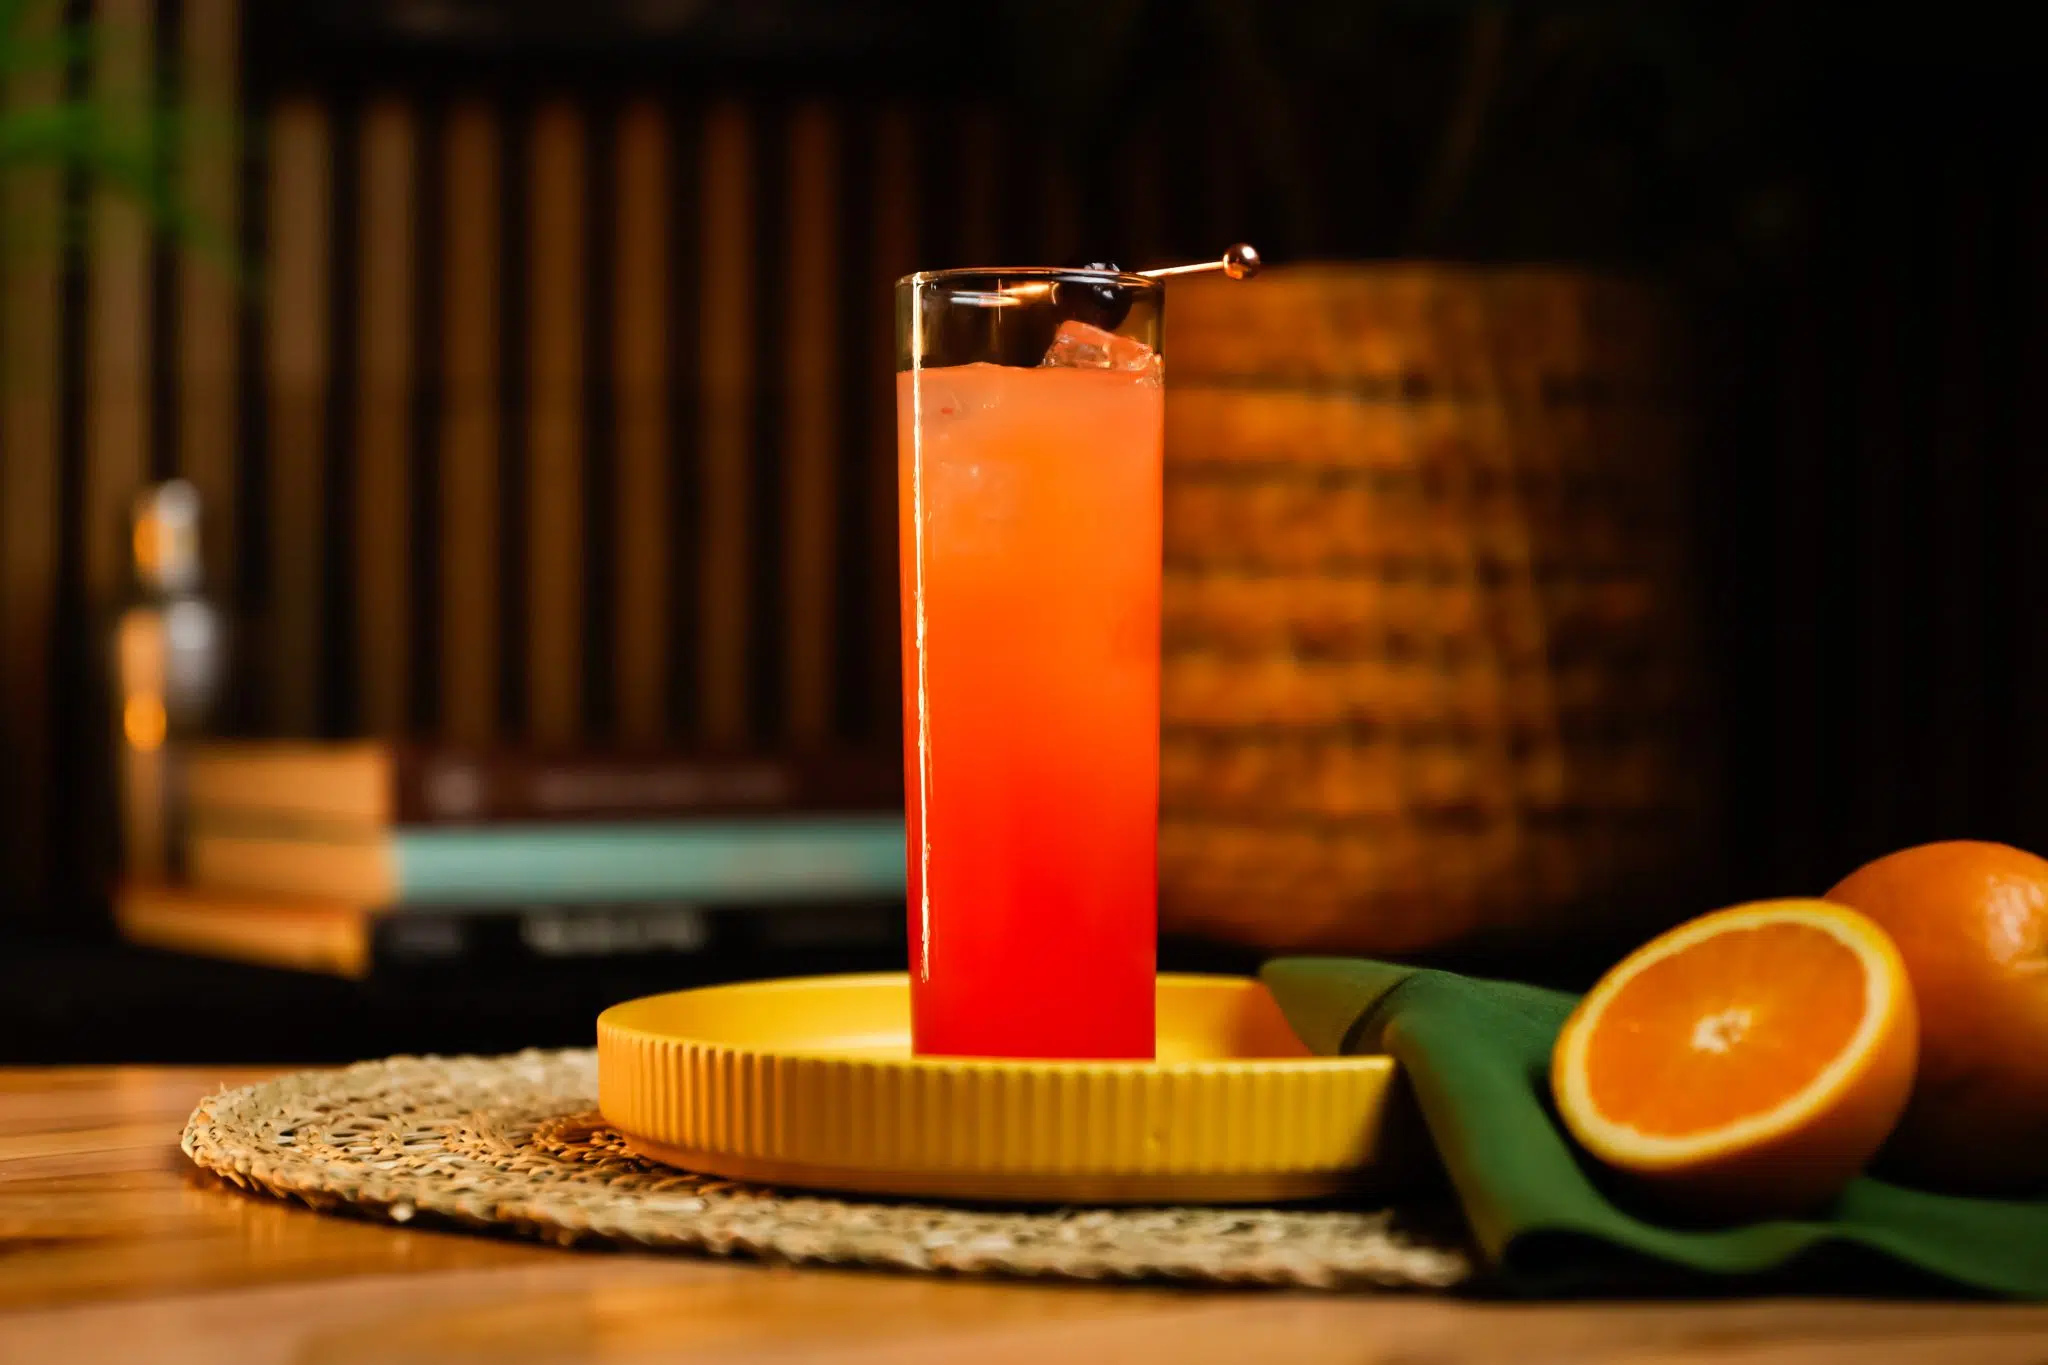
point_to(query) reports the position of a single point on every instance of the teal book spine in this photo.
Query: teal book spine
(751, 860)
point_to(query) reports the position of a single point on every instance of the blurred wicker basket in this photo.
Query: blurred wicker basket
(1429, 674)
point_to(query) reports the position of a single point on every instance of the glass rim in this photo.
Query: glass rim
(1121, 278)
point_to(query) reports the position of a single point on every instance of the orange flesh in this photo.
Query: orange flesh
(1732, 1026)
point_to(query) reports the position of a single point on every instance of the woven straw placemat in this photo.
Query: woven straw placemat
(515, 1144)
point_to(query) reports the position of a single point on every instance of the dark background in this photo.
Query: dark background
(1852, 203)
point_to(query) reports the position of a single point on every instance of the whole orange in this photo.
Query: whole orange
(1971, 921)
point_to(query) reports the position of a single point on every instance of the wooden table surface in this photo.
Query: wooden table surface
(113, 1248)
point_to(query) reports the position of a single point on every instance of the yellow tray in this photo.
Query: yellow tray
(809, 1082)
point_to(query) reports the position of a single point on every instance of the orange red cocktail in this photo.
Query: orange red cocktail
(1030, 413)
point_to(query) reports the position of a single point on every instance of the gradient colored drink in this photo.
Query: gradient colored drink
(1030, 518)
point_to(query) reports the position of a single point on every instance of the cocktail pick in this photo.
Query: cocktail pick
(1240, 261)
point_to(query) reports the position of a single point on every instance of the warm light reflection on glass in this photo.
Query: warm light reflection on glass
(142, 721)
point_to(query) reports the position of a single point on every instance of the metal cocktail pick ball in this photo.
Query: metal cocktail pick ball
(1239, 261)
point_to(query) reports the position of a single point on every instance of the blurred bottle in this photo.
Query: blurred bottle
(170, 648)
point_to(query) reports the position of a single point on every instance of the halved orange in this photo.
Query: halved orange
(1750, 1062)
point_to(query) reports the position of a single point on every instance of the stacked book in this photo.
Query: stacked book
(362, 859)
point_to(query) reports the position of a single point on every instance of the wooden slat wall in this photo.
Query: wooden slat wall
(206, 337)
(469, 412)
(297, 381)
(384, 457)
(649, 335)
(530, 415)
(568, 414)
(31, 410)
(895, 211)
(643, 424)
(118, 311)
(554, 426)
(725, 439)
(811, 450)
(1872, 514)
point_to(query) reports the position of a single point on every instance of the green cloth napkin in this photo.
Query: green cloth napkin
(1477, 1055)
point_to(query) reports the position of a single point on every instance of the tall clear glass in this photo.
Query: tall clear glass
(1030, 415)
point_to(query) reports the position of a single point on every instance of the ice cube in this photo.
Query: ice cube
(1083, 346)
